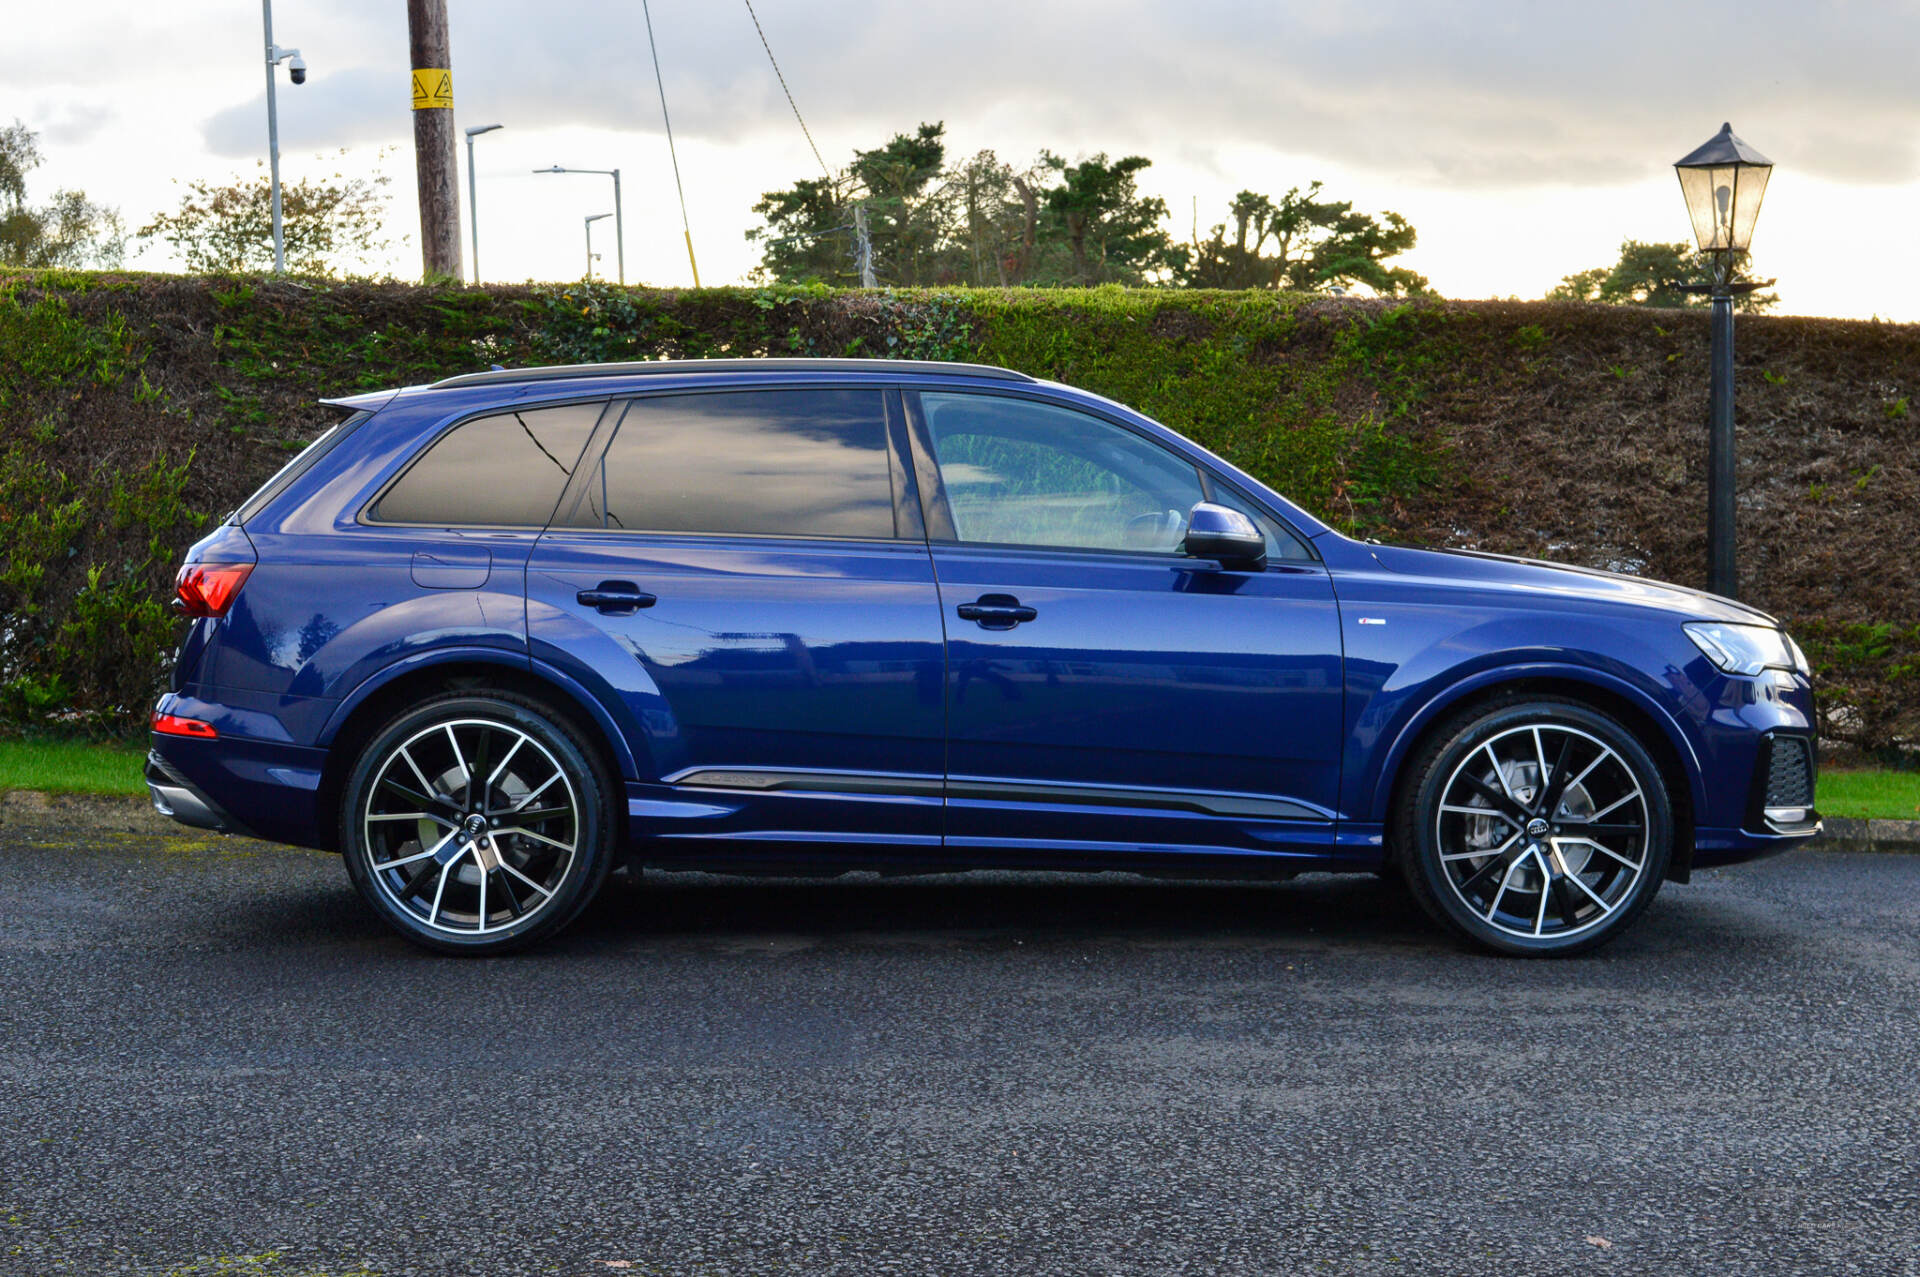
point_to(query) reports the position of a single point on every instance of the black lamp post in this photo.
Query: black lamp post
(1723, 181)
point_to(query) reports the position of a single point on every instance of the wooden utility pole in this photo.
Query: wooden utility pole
(433, 137)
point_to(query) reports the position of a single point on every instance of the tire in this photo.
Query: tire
(478, 822)
(1519, 879)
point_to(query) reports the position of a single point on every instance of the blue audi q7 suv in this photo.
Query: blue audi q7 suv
(488, 637)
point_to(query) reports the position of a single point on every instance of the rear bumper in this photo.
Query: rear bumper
(237, 782)
(178, 798)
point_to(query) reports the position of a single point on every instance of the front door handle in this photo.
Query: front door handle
(616, 598)
(996, 612)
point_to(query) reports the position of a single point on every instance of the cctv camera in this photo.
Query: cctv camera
(297, 69)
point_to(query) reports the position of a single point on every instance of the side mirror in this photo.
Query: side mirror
(1215, 532)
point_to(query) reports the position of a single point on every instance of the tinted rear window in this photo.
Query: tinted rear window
(753, 463)
(500, 471)
(308, 457)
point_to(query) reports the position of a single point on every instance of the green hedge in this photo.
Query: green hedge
(136, 409)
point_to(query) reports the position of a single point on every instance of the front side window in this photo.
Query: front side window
(776, 463)
(1017, 472)
(501, 471)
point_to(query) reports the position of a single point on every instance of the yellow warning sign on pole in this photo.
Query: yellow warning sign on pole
(432, 87)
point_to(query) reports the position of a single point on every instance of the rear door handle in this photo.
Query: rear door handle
(616, 598)
(996, 612)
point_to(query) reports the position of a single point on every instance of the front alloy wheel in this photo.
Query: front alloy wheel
(1537, 828)
(476, 824)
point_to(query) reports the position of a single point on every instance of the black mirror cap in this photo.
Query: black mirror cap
(1216, 532)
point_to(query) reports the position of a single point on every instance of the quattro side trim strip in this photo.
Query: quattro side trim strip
(765, 779)
(1210, 802)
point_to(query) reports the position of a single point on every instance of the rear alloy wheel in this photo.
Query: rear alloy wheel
(475, 824)
(1539, 828)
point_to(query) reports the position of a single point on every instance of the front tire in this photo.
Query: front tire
(1540, 828)
(477, 823)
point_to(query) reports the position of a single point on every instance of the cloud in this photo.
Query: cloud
(341, 109)
(70, 123)
(1476, 94)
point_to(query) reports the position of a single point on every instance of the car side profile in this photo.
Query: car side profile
(491, 637)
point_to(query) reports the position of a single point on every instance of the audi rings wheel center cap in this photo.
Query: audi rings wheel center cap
(1537, 828)
(476, 825)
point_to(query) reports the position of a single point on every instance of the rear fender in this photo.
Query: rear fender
(607, 719)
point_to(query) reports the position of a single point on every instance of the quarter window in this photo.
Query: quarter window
(1018, 472)
(750, 463)
(501, 471)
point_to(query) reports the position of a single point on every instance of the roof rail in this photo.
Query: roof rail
(666, 367)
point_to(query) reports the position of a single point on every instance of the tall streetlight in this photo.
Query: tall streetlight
(473, 194)
(590, 220)
(619, 223)
(297, 72)
(1723, 181)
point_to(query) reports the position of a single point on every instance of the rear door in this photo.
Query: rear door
(1106, 693)
(745, 573)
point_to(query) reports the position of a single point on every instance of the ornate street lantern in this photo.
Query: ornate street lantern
(1723, 180)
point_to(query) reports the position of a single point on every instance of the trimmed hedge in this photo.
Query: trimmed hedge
(134, 410)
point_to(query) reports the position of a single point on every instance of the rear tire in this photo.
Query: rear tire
(478, 822)
(1539, 828)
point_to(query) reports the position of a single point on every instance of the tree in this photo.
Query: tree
(998, 214)
(809, 231)
(980, 220)
(1111, 232)
(68, 231)
(328, 224)
(1654, 275)
(1304, 243)
(907, 215)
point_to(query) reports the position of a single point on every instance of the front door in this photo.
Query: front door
(1106, 693)
(739, 576)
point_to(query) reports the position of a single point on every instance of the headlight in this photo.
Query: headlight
(1746, 649)
(1799, 657)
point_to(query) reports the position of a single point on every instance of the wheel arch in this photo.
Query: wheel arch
(1650, 723)
(375, 701)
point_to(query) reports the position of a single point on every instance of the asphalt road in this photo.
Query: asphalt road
(211, 1050)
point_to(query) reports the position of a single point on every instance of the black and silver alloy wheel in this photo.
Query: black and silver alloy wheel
(1539, 828)
(474, 824)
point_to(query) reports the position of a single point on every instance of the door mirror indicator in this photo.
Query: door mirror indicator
(1216, 532)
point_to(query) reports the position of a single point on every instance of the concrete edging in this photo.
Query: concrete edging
(1843, 833)
(128, 814)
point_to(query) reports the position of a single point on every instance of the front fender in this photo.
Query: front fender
(1437, 697)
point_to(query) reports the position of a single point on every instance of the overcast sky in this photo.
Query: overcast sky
(1523, 140)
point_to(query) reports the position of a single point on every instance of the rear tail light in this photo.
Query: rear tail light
(174, 725)
(208, 589)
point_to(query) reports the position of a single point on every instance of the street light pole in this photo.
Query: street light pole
(619, 232)
(1723, 182)
(619, 219)
(1722, 574)
(590, 220)
(473, 194)
(297, 69)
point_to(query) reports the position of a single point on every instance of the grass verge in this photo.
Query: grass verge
(71, 767)
(1869, 794)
